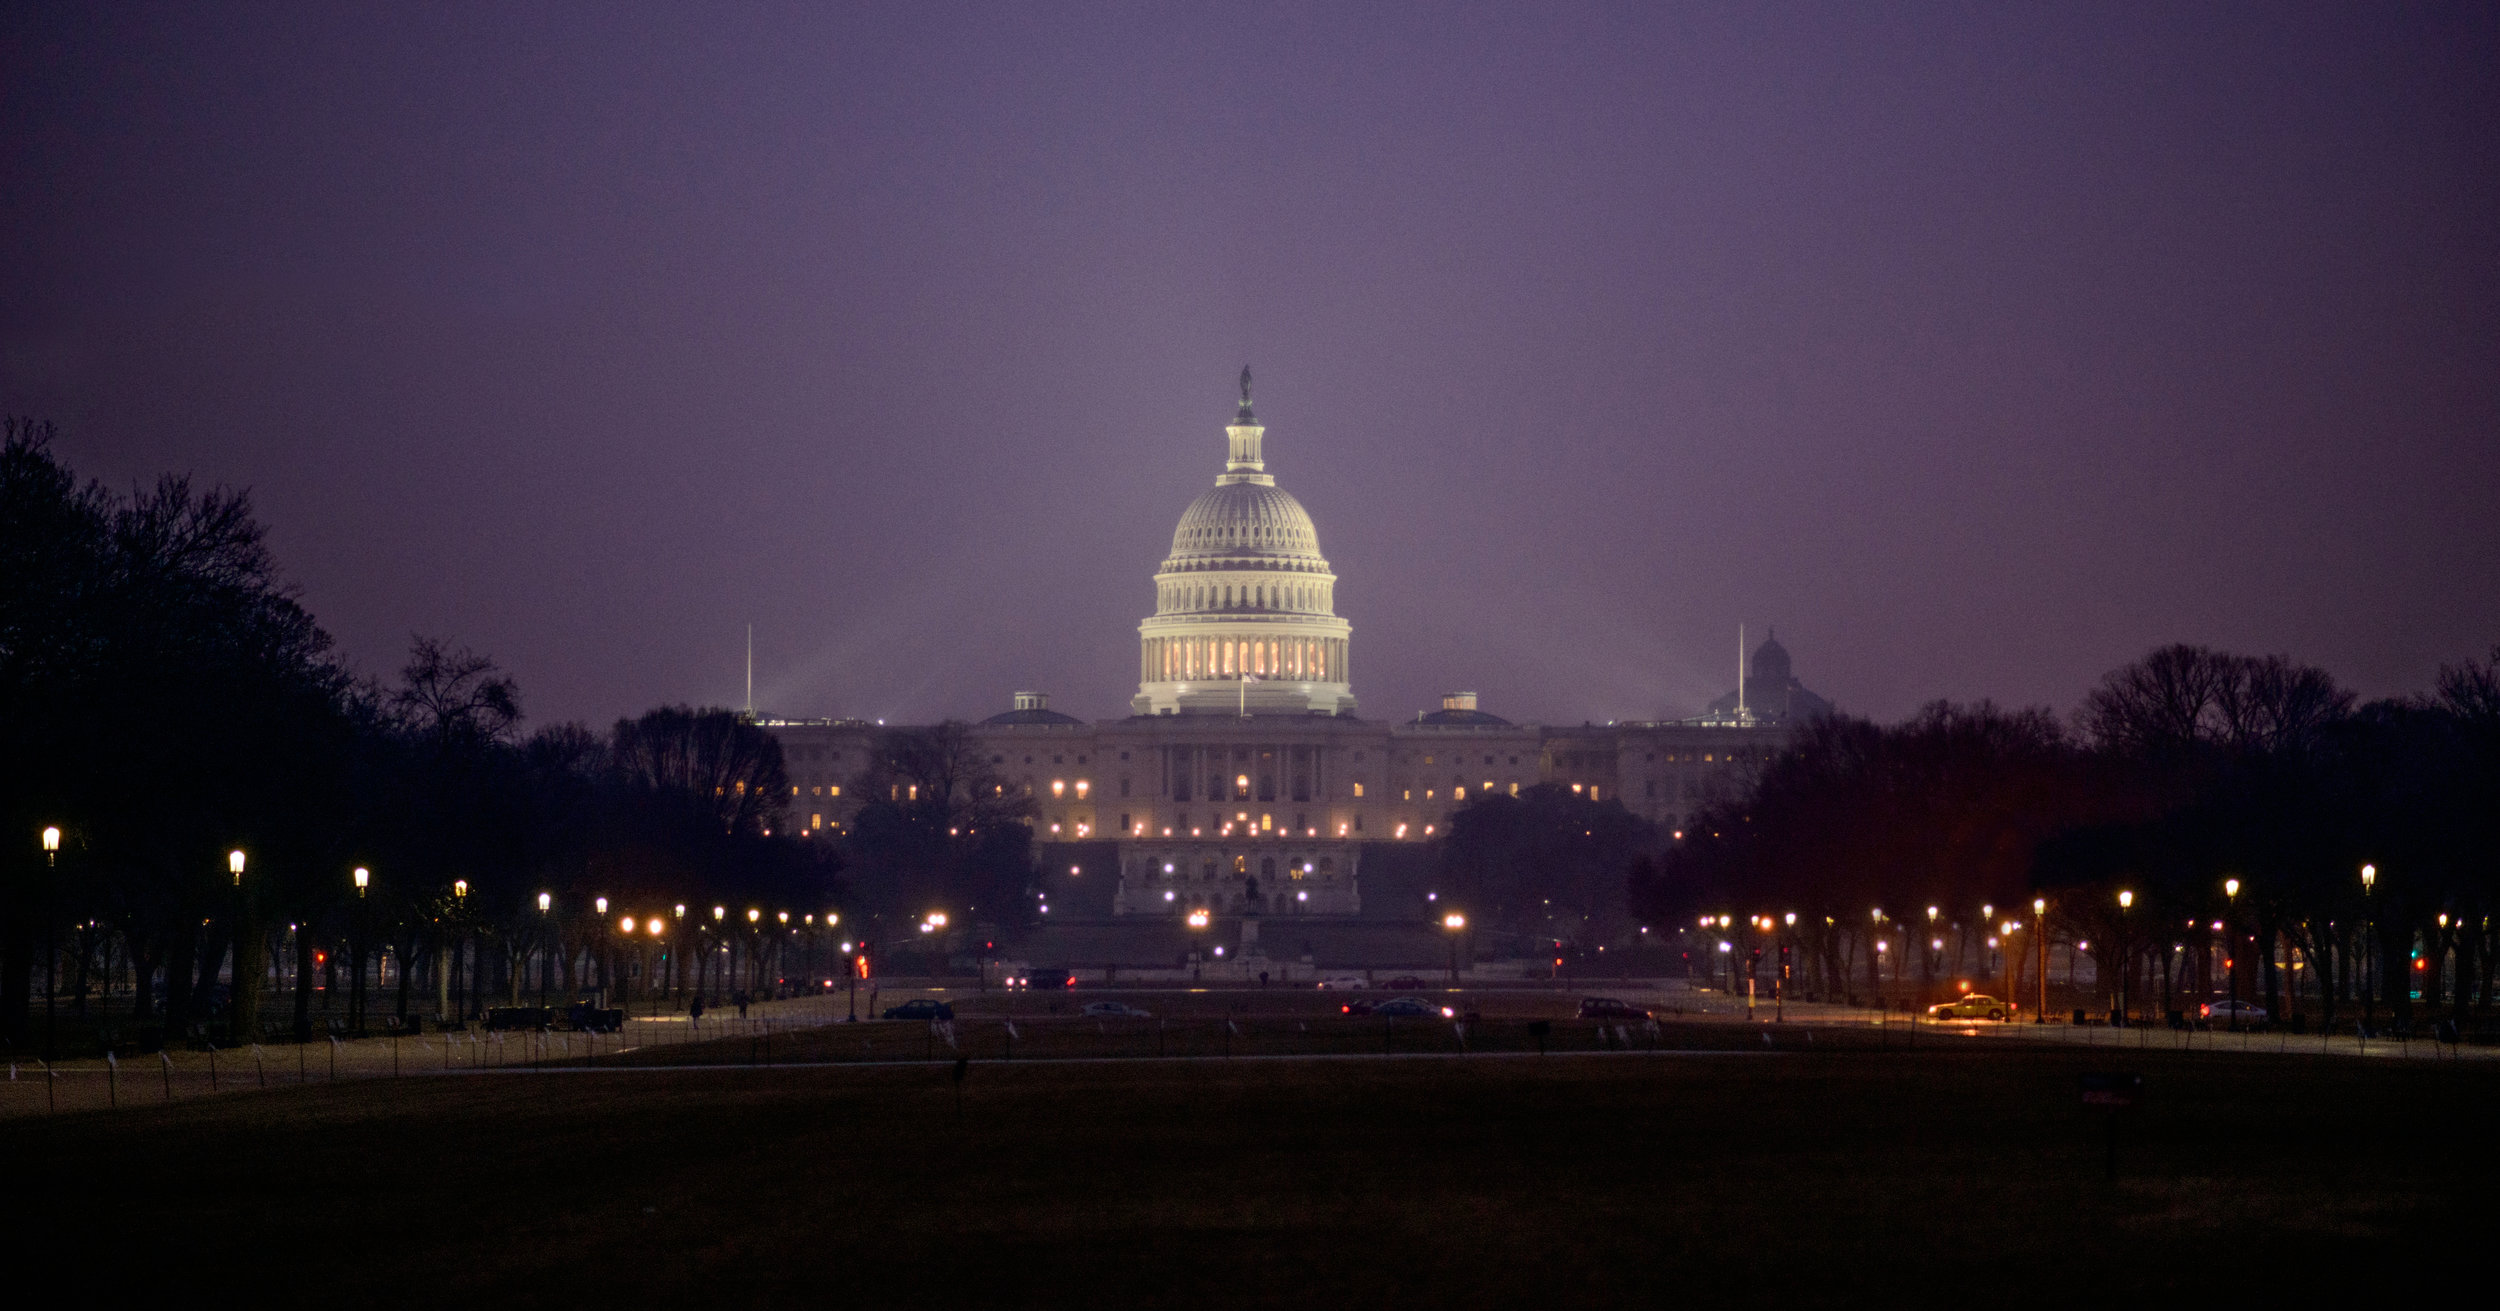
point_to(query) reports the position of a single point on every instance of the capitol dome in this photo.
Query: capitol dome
(1246, 519)
(1245, 618)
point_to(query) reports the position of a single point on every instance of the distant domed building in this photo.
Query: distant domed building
(1769, 693)
(1031, 708)
(1244, 615)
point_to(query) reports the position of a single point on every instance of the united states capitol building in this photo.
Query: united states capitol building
(1244, 783)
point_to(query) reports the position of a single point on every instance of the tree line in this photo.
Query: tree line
(2203, 818)
(166, 700)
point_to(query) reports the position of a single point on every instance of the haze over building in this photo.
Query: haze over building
(1245, 785)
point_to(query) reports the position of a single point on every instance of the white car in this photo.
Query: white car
(1115, 1010)
(2230, 1012)
(1346, 982)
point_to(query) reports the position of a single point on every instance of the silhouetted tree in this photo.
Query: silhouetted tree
(1547, 864)
(939, 829)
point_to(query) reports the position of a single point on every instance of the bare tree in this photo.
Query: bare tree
(454, 698)
(712, 760)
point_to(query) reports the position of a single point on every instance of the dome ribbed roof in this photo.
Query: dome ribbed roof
(1245, 519)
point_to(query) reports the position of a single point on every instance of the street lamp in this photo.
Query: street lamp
(2126, 900)
(364, 879)
(2231, 944)
(2040, 918)
(51, 940)
(2369, 951)
(1454, 922)
(2007, 933)
(234, 864)
(546, 902)
(460, 889)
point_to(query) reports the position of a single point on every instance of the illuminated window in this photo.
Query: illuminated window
(1358, 790)
(1427, 794)
(1083, 786)
(1406, 794)
(1456, 794)
(1058, 787)
(815, 821)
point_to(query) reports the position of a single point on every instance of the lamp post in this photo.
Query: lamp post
(51, 939)
(460, 912)
(2040, 921)
(363, 879)
(1198, 921)
(625, 930)
(1455, 923)
(2369, 950)
(2007, 933)
(661, 956)
(599, 954)
(2231, 943)
(850, 980)
(546, 934)
(2126, 900)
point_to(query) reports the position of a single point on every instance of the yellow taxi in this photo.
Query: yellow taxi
(1971, 1006)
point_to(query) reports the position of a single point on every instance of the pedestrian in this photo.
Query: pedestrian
(694, 1009)
(742, 1003)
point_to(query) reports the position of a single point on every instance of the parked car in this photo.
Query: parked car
(586, 1018)
(1972, 1006)
(1348, 982)
(920, 1008)
(2227, 1012)
(1115, 1010)
(1050, 976)
(1358, 1006)
(1610, 1008)
(1406, 1006)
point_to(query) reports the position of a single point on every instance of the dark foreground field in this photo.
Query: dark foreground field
(1934, 1176)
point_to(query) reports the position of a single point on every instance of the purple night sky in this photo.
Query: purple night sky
(1979, 349)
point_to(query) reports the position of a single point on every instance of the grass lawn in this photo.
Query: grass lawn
(1830, 1176)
